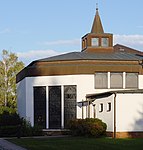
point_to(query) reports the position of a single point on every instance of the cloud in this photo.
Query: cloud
(62, 42)
(6, 30)
(32, 55)
(135, 41)
(36, 53)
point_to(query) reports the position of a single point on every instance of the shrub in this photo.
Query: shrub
(9, 119)
(25, 128)
(8, 131)
(28, 130)
(9, 122)
(37, 131)
(12, 125)
(87, 127)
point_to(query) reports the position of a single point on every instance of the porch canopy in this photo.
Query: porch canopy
(108, 93)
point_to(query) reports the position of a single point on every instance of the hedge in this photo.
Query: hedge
(13, 125)
(87, 127)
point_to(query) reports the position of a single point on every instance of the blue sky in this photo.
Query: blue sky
(35, 29)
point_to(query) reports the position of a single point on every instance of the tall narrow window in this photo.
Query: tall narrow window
(116, 80)
(131, 80)
(40, 106)
(69, 103)
(95, 41)
(108, 107)
(101, 81)
(55, 107)
(101, 107)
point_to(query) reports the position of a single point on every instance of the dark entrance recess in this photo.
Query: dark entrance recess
(69, 103)
(40, 106)
(54, 107)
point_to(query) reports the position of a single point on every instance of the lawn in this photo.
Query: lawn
(79, 143)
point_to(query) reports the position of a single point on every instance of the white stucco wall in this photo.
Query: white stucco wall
(105, 116)
(129, 112)
(21, 98)
(85, 85)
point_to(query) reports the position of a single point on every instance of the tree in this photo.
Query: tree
(9, 67)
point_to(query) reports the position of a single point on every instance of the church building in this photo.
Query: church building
(102, 81)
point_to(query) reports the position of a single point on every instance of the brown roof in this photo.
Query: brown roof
(127, 60)
(125, 49)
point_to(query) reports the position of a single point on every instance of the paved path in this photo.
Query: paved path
(6, 145)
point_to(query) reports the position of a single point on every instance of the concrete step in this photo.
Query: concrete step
(53, 132)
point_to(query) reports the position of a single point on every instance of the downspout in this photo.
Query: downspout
(88, 108)
(82, 110)
(114, 135)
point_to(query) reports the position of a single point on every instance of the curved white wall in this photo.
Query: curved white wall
(129, 106)
(85, 85)
(21, 98)
(106, 116)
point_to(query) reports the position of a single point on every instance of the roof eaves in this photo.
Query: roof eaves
(108, 93)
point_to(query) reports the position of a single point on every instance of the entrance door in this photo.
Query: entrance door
(40, 106)
(54, 107)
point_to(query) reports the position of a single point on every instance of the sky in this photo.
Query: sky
(35, 29)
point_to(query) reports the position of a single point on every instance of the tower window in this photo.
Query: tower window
(95, 41)
(83, 43)
(105, 42)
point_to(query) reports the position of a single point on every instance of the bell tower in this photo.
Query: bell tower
(97, 40)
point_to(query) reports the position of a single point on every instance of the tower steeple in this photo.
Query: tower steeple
(97, 41)
(97, 24)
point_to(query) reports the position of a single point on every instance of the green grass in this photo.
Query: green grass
(79, 143)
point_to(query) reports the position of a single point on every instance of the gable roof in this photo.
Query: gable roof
(123, 48)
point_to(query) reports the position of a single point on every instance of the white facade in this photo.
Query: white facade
(129, 112)
(106, 116)
(84, 83)
(129, 107)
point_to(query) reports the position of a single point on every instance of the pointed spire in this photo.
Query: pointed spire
(97, 24)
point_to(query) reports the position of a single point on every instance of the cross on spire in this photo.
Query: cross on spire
(97, 24)
(96, 6)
